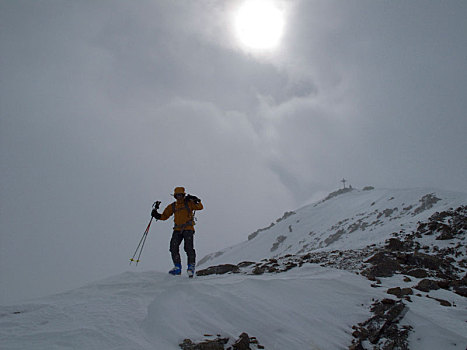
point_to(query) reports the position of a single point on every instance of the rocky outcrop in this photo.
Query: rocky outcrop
(216, 344)
(383, 264)
(400, 292)
(406, 254)
(244, 342)
(218, 270)
(383, 329)
(285, 216)
(446, 224)
(426, 285)
(337, 193)
(426, 202)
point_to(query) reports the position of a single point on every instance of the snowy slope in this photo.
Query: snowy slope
(350, 220)
(311, 308)
(307, 307)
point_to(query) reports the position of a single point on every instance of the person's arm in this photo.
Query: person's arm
(198, 206)
(195, 203)
(167, 213)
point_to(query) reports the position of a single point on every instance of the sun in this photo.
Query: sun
(259, 24)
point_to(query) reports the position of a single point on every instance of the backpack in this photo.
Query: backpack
(190, 213)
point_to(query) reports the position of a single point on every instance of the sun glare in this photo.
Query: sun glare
(259, 24)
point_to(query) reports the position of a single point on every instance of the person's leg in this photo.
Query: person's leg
(188, 237)
(175, 242)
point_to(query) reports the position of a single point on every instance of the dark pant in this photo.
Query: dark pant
(177, 238)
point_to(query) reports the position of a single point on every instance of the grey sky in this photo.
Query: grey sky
(106, 106)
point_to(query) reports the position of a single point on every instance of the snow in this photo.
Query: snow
(434, 326)
(311, 307)
(314, 225)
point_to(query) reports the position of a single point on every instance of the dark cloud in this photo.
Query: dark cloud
(105, 109)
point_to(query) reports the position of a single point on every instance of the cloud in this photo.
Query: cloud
(106, 109)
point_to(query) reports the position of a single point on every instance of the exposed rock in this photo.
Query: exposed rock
(383, 328)
(254, 234)
(285, 216)
(427, 202)
(216, 344)
(441, 301)
(444, 284)
(356, 346)
(400, 292)
(426, 285)
(334, 237)
(417, 273)
(461, 291)
(444, 236)
(422, 260)
(448, 224)
(336, 193)
(278, 242)
(444, 302)
(218, 270)
(258, 270)
(395, 244)
(243, 343)
(387, 212)
(383, 266)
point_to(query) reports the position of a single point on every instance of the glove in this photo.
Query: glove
(155, 214)
(193, 198)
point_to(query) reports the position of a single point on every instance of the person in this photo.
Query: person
(183, 211)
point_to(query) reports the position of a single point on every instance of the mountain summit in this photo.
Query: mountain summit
(361, 269)
(345, 219)
(410, 243)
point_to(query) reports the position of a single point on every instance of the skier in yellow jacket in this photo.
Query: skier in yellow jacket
(183, 211)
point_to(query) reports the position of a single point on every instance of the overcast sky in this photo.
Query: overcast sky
(108, 105)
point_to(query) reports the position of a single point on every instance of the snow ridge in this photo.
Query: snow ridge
(353, 219)
(373, 269)
(411, 251)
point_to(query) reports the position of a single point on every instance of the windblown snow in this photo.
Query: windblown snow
(347, 220)
(306, 307)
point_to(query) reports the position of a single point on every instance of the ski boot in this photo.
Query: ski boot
(191, 270)
(176, 270)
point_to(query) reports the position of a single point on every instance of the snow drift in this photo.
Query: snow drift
(310, 280)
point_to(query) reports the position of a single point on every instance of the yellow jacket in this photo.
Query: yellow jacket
(183, 214)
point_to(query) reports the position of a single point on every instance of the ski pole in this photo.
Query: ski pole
(143, 238)
(142, 246)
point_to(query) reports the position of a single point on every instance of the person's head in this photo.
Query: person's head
(179, 193)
